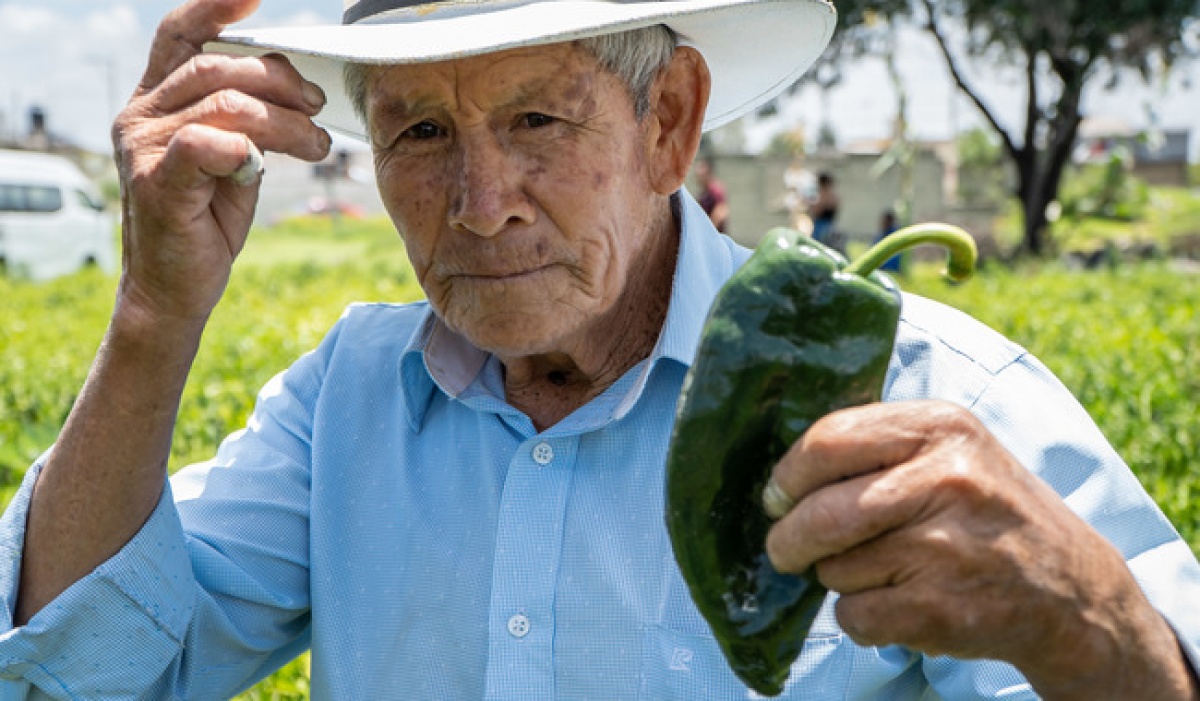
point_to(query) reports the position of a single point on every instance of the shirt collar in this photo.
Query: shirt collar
(705, 262)
(438, 357)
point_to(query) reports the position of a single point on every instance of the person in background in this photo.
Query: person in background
(887, 227)
(824, 208)
(712, 194)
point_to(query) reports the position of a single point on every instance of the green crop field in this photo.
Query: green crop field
(1125, 340)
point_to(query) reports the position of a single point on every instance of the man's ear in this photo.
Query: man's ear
(678, 101)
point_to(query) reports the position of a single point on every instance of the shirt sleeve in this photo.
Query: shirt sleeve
(134, 602)
(208, 597)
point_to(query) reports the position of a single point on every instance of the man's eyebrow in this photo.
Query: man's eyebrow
(540, 92)
(398, 109)
(530, 92)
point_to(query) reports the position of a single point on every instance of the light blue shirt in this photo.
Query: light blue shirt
(386, 506)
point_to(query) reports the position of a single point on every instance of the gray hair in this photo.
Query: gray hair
(635, 56)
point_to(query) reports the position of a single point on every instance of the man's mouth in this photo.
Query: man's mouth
(502, 275)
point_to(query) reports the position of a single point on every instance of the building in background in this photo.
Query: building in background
(1160, 156)
(37, 135)
(341, 185)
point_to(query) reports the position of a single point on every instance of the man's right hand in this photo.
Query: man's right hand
(193, 122)
(188, 127)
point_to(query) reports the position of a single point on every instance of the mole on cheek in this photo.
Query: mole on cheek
(599, 179)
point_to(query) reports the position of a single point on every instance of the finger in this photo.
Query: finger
(271, 127)
(270, 78)
(859, 440)
(879, 617)
(183, 33)
(889, 560)
(919, 619)
(845, 515)
(198, 153)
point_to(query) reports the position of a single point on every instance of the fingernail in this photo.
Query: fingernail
(776, 502)
(251, 169)
(314, 95)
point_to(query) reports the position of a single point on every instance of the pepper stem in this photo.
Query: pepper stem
(959, 242)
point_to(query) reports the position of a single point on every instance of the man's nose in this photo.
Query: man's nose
(488, 194)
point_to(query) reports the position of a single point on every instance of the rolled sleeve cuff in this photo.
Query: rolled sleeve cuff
(113, 631)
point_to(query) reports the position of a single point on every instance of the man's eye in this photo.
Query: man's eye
(535, 120)
(422, 131)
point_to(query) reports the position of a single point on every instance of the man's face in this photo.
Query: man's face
(518, 181)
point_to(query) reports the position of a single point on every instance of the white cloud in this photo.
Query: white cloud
(118, 23)
(304, 18)
(276, 16)
(18, 19)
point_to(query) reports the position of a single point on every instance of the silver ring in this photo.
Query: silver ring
(776, 502)
(251, 169)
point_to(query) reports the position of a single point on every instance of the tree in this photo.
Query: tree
(1060, 46)
(789, 143)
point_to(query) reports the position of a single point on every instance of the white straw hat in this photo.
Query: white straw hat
(755, 49)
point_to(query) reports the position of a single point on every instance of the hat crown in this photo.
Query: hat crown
(358, 10)
(355, 11)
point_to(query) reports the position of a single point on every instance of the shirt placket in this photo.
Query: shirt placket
(525, 571)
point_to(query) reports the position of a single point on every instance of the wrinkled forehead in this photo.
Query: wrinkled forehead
(563, 70)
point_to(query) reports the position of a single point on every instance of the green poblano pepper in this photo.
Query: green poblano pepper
(795, 334)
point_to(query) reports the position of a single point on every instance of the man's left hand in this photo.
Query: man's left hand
(939, 540)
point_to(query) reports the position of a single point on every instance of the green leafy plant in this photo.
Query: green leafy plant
(1105, 191)
(1134, 372)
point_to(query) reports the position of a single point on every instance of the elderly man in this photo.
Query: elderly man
(462, 499)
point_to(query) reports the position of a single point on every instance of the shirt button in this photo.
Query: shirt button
(518, 626)
(543, 453)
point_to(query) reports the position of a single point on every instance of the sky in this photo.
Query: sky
(80, 59)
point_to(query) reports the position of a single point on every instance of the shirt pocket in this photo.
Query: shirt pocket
(687, 667)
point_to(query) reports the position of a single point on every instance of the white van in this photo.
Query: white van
(52, 219)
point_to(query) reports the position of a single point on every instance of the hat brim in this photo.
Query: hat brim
(755, 49)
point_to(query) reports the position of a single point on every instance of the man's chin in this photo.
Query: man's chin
(514, 334)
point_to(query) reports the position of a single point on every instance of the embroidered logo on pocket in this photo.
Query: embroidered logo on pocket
(681, 657)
